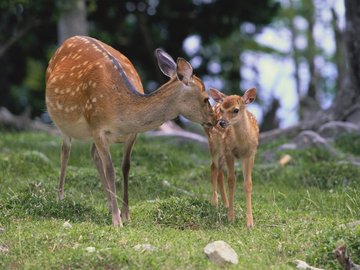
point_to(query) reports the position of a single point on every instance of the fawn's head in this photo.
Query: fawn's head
(193, 101)
(230, 108)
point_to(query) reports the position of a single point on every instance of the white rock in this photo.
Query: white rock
(67, 225)
(144, 247)
(90, 249)
(301, 265)
(221, 252)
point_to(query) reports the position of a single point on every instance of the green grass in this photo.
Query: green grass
(298, 209)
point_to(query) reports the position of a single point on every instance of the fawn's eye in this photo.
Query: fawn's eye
(206, 100)
(236, 110)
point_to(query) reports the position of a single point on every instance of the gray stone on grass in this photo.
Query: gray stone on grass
(221, 253)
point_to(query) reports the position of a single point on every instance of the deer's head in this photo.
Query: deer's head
(193, 101)
(229, 109)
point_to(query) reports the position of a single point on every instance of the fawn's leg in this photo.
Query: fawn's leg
(128, 145)
(231, 184)
(103, 150)
(65, 154)
(213, 177)
(100, 169)
(220, 179)
(248, 165)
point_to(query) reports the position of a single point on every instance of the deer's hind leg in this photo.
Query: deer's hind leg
(65, 154)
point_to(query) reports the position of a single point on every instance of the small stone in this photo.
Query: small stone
(67, 225)
(90, 249)
(144, 247)
(221, 252)
(2, 230)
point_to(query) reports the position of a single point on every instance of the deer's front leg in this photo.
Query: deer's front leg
(248, 165)
(220, 179)
(125, 170)
(103, 150)
(213, 177)
(231, 184)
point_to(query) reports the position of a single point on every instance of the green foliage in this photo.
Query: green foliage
(124, 25)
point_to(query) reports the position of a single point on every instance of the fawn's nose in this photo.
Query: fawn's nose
(223, 123)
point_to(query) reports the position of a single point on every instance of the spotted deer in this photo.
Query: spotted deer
(234, 137)
(93, 92)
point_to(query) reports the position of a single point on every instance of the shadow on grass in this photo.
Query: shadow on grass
(43, 205)
(189, 213)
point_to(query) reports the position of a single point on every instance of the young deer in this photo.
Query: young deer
(234, 137)
(93, 92)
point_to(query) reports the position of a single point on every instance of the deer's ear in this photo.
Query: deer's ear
(216, 95)
(166, 63)
(184, 70)
(249, 96)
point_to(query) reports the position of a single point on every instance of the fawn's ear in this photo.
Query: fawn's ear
(249, 96)
(166, 63)
(184, 70)
(217, 95)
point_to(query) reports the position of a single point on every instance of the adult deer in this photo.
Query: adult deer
(93, 92)
(235, 136)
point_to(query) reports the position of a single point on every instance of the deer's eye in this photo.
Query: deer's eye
(206, 100)
(236, 110)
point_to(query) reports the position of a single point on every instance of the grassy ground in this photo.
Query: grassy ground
(298, 209)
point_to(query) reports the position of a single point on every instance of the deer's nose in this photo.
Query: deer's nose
(223, 123)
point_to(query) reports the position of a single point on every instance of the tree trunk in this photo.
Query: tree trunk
(347, 102)
(73, 20)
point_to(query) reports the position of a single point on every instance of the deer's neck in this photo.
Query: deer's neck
(242, 128)
(149, 111)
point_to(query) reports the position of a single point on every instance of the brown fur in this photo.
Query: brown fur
(238, 140)
(93, 92)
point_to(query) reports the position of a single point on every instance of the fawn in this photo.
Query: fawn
(234, 137)
(93, 92)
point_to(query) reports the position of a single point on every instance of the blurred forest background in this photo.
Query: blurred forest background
(293, 51)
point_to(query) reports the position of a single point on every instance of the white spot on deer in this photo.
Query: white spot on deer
(84, 86)
(94, 85)
(85, 63)
(101, 96)
(79, 50)
(68, 90)
(77, 89)
(71, 74)
(115, 67)
(56, 90)
(63, 58)
(53, 79)
(94, 100)
(72, 93)
(61, 77)
(59, 106)
(67, 109)
(80, 75)
(70, 45)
